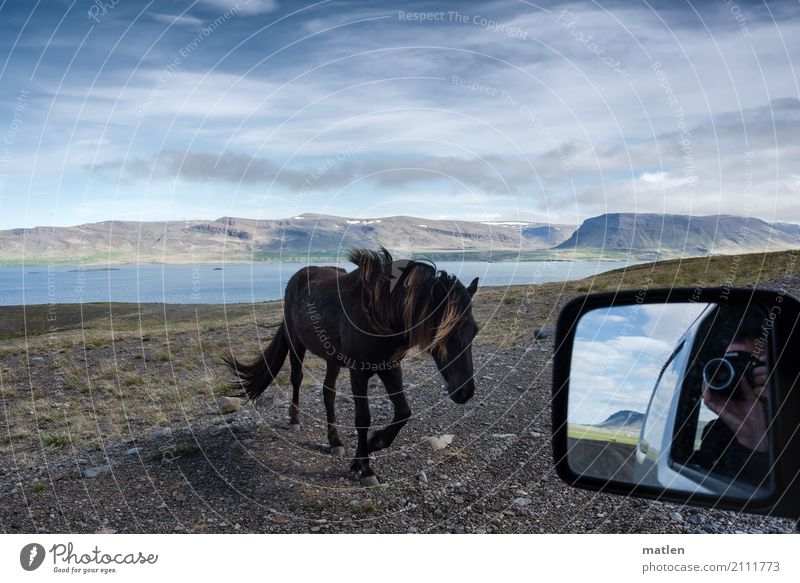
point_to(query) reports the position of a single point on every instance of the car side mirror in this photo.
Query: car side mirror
(686, 395)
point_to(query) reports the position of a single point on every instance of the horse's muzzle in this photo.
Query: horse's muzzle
(462, 392)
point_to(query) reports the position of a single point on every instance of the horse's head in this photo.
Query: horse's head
(454, 331)
(427, 308)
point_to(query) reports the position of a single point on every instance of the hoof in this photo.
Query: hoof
(337, 451)
(294, 427)
(369, 481)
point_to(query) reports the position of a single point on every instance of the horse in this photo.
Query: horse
(366, 321)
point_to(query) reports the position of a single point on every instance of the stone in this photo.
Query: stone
(96, 471)
(422, 477)
(696, 519)
(676, 517)
(544, 333)
(521, 501)
(132, 451)
(227, 405)
(162, 432)
(438, 442)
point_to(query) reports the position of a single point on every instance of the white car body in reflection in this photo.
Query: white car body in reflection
(655, 465)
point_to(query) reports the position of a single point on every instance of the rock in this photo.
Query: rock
(521, 501)
(107, 530)
(161, 433)
(96, 471)
(227, 405)
(676, 517)
(411, 530)
(536, 434)
(544, 333)
(503, 435)
(422, 477)
(438, 442)
(132, 451)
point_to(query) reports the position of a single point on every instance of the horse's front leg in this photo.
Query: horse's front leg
(393, 381)
(329, 395)
(359, 381)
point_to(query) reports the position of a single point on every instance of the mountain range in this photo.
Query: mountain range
(324, 237)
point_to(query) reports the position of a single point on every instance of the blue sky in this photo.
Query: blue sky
(507, 110)
(618, 354)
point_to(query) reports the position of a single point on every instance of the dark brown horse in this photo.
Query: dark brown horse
(366, 321)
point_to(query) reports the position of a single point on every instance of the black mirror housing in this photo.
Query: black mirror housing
(782, 314)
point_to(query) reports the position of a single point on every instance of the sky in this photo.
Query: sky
(490, 111)
(618, 354)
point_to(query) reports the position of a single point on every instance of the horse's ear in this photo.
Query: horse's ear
(473, 287)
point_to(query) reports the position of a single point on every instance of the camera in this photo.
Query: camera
(724, 374)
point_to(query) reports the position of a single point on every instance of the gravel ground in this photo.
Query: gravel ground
(245, 472)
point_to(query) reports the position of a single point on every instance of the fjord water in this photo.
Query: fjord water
(234, 283)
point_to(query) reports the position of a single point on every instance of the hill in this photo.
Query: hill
(303, 237)
(625, 418)
(316, 238)
(667, 236)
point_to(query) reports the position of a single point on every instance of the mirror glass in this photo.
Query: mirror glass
(673, 396)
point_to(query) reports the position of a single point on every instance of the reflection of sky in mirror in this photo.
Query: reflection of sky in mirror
(617, 355)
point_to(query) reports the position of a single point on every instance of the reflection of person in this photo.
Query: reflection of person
(735, 444)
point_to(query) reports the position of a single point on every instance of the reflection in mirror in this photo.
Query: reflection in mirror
(672, 396)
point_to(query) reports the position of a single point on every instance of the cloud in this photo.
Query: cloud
(492, 175)
(618, 354)
(447, 109)
(245, 6)
(180, 19)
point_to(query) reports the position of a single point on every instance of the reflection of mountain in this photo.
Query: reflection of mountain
(623, 419)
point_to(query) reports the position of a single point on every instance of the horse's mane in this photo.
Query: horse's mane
(428, 304)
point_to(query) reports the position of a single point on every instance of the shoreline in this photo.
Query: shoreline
(496, 256)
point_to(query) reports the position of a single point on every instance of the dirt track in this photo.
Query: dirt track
(245, 472)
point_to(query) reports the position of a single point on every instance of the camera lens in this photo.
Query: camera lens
(718, 373)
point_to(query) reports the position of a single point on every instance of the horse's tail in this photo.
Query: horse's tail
(256, 376)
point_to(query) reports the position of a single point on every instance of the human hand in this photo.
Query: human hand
(746, 417)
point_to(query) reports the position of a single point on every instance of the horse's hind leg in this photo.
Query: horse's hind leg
(329, 396)
(393, 380)
(296, 355)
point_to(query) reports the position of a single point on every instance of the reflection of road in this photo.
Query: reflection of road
(602, 459)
